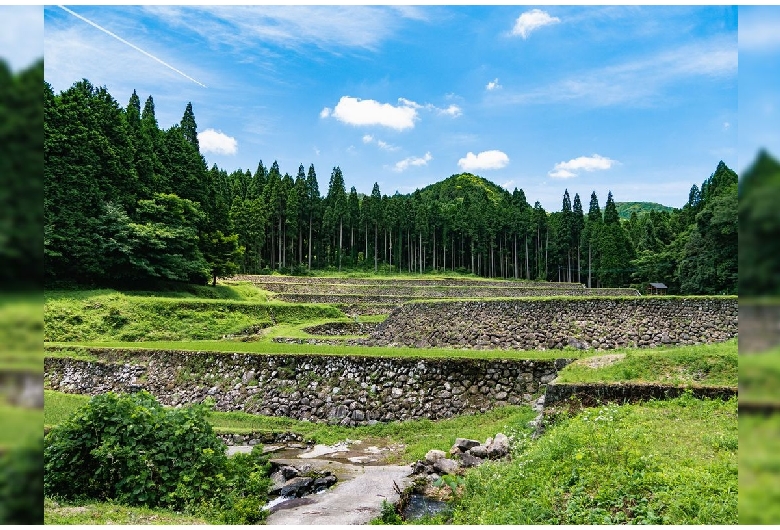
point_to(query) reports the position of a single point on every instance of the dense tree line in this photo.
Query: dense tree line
(21, 160)
(127, 201)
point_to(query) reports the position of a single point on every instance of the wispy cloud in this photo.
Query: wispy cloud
(564, 170)
(531, 21)
(369, 139)
(639, 82)
(493, 159)
(217, 142)
(406, 163)
(123, 41)
(493, 85)
(452, 110)
(758, 29)
(294, 27)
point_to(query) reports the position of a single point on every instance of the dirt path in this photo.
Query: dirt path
(355, 500)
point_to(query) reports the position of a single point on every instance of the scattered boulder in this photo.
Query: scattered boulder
(296, 487)
(289, 472)
(464, 444)
(446, 466)
(499, 447)
(469, 460)
(479, 451)
(433, 455)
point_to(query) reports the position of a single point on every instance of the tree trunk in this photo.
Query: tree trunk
(309, 242)
(589, 265)
(341, 233)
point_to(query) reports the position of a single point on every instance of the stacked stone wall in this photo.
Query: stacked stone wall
(336, 389)
(586, 323)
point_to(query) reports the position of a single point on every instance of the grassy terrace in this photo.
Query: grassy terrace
(706, 364)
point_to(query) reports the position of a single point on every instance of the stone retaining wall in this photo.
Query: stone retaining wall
(528, 324)
(338, 389)
(759, 329)
(592, 394)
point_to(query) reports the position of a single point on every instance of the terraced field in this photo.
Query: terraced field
(318, 359)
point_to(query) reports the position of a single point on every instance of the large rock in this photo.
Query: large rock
(464, 444)
(469, 460)
(433, 455)
(479, 451)
(446, 466)
(323, 483)
(296, 487)
(499, 446)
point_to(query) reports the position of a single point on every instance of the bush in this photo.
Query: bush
(21, 484)
(132, 450)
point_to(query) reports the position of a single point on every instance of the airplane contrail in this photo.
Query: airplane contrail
(120, 39)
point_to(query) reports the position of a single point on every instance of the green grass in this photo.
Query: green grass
(19, 424)
(106, 513)
(62, 349)
(706, 364)
(661, 462)
(759, 469)
(418, 436)
(106, 315)
(759, 377)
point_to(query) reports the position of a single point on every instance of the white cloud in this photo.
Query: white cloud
(508, 184)
(485, 160)
(367, 138)
(217, 142)
(412, 161)
(563, 170)
(356, 111)
(452, 110)
(726, 126)
(561, 174)
(532, 20)
(493, 85)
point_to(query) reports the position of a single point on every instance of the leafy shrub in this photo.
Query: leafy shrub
(132, 450)
(21, 484)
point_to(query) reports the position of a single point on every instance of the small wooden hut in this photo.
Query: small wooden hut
(656, 288)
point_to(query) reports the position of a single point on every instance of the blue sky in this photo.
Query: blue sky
(759, 82)
(638, 100)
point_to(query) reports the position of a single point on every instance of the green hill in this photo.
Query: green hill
(625, 209)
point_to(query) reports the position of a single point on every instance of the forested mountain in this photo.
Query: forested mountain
(625, 209)
(128, 202)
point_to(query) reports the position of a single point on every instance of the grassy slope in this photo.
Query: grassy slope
(659, 462)
(759, 377)
(78, 316)
(759, 469)
(706, 364)
(105, 513)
